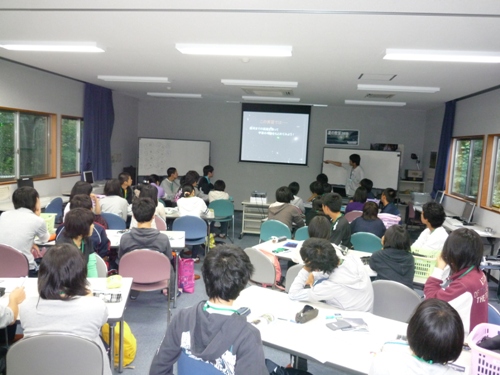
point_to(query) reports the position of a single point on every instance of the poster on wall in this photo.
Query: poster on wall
(342, 137)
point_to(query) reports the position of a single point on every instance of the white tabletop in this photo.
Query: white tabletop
(477, 228)
(176, 238)
(7, 205)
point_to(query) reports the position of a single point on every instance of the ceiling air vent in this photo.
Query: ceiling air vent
(272, 91)
(379, 96)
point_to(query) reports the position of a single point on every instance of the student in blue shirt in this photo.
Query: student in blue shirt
(387, 202)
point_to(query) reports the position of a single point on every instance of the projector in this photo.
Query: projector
(258, 197)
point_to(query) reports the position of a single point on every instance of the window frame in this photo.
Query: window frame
(487, 188)
(79, 152)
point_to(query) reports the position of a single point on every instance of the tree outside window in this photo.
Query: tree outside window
(71, 135)
(495, 196)
(467, 168)
(7, 145)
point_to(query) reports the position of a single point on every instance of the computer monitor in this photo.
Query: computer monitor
(468, 212)
(88, 176)
(439, 197)
(25, 181)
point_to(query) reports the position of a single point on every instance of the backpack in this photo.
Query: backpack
(129, 343)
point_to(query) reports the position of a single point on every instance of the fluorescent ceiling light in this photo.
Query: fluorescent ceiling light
(175, 95)
(234, 50)
(320, 105)
(134, 79)
(436, 55)
(52, 46)
(421, 89)
(369, 102)
(270, 99)
(253, 83)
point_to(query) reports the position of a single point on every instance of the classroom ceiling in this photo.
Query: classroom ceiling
(336, 45)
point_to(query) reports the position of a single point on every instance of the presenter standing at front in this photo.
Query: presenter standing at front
(354, 172)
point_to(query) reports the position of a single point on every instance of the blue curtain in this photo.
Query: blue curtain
(98, 117)
(444, 147)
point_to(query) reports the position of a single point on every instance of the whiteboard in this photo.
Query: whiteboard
(382, 167)
(157, 155)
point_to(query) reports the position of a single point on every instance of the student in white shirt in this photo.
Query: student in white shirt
(189, 204)
(297, 201)
(434, 236)
(354, 173)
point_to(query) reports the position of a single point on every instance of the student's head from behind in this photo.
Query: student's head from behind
(435, 332)
(172, 172)
(367, 184)
(62, 274)
(226, 271)
(317, 205)
(355, 159)
(332, 202)
(319, 254)
(149, 191)
(388, 195)
(322, 178)
(208, 169)
(113, 187)
(125, 179)
(319, 227)
(143, 209)
(187, 190)
(316, 187)
(370, 210)
(359, 195)
(78, 222)
(191, 178)
(433, 212)
(219, 185)
(463, 249)
(397, 237)
(81, 201)
(80, 187)
(26, 197)
(294, 187)
(154, 179)
(284, 195)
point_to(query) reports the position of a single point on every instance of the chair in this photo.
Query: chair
(160, 223)
(55, 354)
(493, 315)
(264, 272)
(150, 270)
(114, 221)
(411, 217)
(223, 212)
(190, 366)
(55, 206)
(394, 300)
(102, 268)
(350, 216)
(14, 263)
(291, 274)
(276, 228)
(301, 234)
(364, 241)
(194, 227)
(389, 219)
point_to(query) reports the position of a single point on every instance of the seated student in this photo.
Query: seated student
(466, 289)
(125, 186)
(154, 180)
(283, 211)
(170, 184)
(213, 331)
(323, 180)
(296, 201)
(341, 231)
(435, 336)
(204, 183)
(83, 187)
(358, 200)
(99, 239)
(191, 178)
(316, 191)
(9, 313)
(319, 227)
(189, 204)
(78, 229)
(113, 202)
(368, 185)
(344, 284)
(150, 191)
(395, 261)
(19, 227)
(369, 222)
(387, 202)
(316, 209)
(65, 304)
(218, 193)
(434, 236)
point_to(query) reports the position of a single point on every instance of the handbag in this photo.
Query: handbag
(185, 275)
(306, 314)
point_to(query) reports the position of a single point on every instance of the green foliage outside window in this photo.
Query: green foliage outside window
(467, 167)
(7, 145)
(495, 197)
(70, 145)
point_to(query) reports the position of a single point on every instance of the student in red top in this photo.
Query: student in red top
(466, 289)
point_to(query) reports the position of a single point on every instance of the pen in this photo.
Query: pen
(287, 320)
(24, 279)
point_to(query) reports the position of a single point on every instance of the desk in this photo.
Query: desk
(491, 237)
(7, 205)
(115, 310)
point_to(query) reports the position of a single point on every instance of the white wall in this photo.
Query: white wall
(220, 123)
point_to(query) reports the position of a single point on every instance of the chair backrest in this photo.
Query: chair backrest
(493, 315)
(222, 208)
(291, 274)
(160, 223)
(145, 266)
(55, 354)
(114, 221)
(389, 219)
(102, 269)
(411, 210)
(351, 215)
(264, 272)
(190, 366)
(394, 300)
(55, 206)
(194, 226)
(364, 241)
(301, 234)
(13, 263)
(276, 228)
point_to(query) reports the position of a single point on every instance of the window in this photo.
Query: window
(26, 144)
(490, 193)
(495, 188)
(466, 170)
(71, 135)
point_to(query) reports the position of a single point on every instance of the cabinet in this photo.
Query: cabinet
(407, 187)
(253, 213)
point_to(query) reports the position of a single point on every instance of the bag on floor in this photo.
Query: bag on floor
(211, 241)
(185, 275)
(129, 342)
